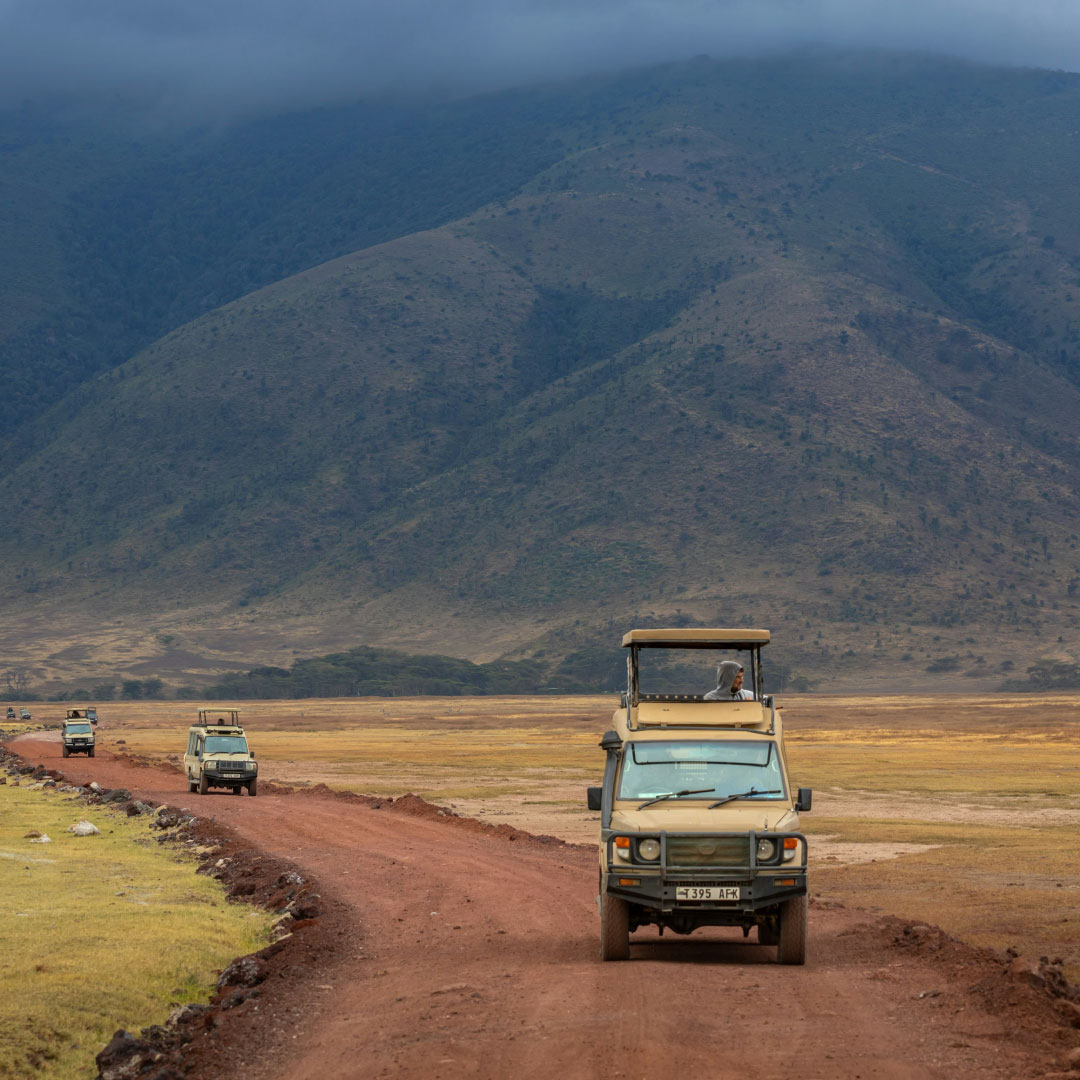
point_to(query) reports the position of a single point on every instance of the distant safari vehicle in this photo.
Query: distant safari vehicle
(10, 713)
(77, 736)
(24, 714)
(218, 755)
(699, 823)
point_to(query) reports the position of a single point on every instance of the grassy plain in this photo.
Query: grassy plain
(99, 932)
(958, 809)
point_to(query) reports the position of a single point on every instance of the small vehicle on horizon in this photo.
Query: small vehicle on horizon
(24, 714)
(699, 825)
(91, 715)
(76, 735)
(10, 713)
(218, 754)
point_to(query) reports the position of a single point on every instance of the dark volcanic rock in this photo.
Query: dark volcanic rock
(246, 971)
(123, 1058)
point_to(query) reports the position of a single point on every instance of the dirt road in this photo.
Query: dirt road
(464, 953)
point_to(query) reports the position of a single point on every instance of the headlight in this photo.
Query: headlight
(766, 849)
(649, 849)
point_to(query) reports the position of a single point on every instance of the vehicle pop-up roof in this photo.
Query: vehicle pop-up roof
(219, 718)
(742, 640)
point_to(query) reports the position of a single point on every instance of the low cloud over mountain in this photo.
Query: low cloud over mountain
(234, 55)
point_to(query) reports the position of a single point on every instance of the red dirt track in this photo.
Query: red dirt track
(466, 951)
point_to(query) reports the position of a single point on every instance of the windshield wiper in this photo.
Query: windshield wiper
(676, 795)
(740, 795)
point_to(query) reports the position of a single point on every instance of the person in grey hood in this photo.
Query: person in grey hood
(729, 678)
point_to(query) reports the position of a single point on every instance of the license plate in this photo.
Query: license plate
(707, 892)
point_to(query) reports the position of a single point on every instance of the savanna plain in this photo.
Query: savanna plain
(957, 810)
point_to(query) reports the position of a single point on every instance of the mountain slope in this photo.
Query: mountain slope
(787, 343)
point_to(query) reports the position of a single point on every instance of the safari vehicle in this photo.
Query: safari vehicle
(10, 713)
(77, 736)
(698, 822)
(24, 714)
(91, 715)
(218, 755)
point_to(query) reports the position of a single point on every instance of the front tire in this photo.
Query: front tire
(90, 752)
(204, 786)
(64, 751)
(793, 931)
(614, 928)
(253, 787)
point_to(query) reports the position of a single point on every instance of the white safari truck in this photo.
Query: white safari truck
(218, 755)
(699, 825)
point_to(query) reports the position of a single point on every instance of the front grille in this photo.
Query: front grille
(708, 851)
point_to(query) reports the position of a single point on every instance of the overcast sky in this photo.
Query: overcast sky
(230, 54)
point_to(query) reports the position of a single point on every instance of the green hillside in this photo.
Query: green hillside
(785, 343)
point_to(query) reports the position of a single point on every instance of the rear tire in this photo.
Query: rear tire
(253, 788)
(236, 791)
(204, 787)
(64, 751)
(793, 931)
(614, 928)
(767, 934)
(90, 752)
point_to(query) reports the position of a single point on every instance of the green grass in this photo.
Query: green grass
(99, 933)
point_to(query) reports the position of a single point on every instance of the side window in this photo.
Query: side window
(191, 743)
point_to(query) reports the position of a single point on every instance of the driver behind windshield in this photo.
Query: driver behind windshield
(729, 680)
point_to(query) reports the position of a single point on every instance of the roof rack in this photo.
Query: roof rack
(696, 638)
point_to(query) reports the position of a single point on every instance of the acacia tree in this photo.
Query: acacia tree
(17, 680)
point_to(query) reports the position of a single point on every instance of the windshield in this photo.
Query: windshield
(78, 729)
(717, 769)
(226, 744)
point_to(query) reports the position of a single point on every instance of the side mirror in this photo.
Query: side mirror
(593, 797)
(805, 800)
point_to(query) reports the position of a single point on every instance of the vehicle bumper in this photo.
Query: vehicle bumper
(230, 779)
(660, 894)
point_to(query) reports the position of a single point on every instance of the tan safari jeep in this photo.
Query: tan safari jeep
(77, 734)
(699, 825)
(218, 755)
